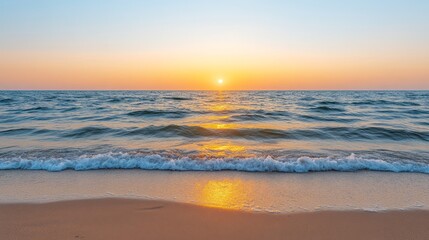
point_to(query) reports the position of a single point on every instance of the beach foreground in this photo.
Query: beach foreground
(149, 219)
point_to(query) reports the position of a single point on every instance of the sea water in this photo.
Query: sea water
(254, 131)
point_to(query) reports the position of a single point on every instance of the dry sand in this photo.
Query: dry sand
(143, 219)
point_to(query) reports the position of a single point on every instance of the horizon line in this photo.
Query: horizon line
(214, 90)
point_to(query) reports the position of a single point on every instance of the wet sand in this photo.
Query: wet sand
(147, 219)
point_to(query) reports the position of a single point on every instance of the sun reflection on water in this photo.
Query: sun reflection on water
(223, 150)
(219, 108)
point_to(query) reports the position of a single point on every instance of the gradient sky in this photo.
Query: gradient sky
(160, 44)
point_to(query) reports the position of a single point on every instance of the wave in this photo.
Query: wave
(328, 119)
(87, 132)
(6, 100)
(16, 131)
(423, 123)
(115, 100)
(377, 133)
(385, 102)
(158, 113)
(178, 98)
(258, 164)
(246, 117)
(326, 109)
(36, 109)
(197, 131)
(255, 115)
(70, 109)
(328, 103)
(416, 112)
(166, 131)
(367, 133)
(236, 114)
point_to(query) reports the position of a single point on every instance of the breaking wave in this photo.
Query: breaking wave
(255, 164)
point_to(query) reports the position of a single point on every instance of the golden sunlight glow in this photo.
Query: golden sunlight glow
(232, 148)
(222, 149)
(218, 108)
(229, 194)
(170, 52)
(218, 125)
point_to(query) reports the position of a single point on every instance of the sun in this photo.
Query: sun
(220, 81)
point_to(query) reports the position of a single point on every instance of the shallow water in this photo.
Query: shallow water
(270, 192)
(264, 131)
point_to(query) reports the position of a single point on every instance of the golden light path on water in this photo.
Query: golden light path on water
(221, 148)
(226, 193)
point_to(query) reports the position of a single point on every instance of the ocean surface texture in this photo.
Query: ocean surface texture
(262, 131)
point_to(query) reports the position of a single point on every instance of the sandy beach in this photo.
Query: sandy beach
(149, 219)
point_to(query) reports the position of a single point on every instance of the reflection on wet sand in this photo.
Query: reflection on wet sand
(226, 193)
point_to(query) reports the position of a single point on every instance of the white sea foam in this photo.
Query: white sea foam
(257, 164)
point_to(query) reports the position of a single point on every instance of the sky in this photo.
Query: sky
(191, 44)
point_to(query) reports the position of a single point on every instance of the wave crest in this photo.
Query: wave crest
(257, 164)
(158, 113)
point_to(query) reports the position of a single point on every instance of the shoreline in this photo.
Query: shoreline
(252, 211)
(121, 218)
(264, 192)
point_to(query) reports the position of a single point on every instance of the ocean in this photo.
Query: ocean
(252, 131)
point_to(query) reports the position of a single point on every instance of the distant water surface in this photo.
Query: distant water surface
(282, 131)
